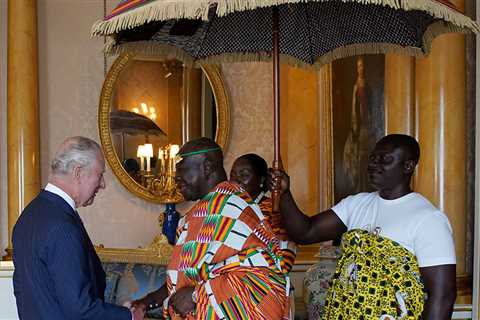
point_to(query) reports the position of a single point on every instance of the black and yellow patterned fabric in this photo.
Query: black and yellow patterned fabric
(376, 278)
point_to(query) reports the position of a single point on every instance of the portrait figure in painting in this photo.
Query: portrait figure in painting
(358, 119)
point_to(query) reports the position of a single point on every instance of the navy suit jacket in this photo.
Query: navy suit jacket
(58, 274)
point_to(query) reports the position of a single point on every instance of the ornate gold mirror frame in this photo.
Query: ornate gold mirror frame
(222, 127)
(158, 253)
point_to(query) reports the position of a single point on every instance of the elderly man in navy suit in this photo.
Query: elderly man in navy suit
(58, 275)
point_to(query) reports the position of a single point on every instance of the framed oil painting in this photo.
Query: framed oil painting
(358, 119)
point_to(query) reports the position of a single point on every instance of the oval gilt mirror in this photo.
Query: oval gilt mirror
(150, 106)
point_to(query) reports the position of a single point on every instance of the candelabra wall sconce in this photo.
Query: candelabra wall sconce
(159, 101)
(145, 100)
(161, 181)
(162, 184)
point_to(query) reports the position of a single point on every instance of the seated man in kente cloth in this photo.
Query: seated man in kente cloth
(225, 263)
(398, 256)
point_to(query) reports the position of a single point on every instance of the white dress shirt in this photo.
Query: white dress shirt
(59, 192)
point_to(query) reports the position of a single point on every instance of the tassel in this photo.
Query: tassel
(198, 9)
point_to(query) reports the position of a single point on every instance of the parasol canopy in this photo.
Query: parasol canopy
(311, 32)
(300, 32)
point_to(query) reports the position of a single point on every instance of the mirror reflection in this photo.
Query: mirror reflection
(148, 107)
(156, 106)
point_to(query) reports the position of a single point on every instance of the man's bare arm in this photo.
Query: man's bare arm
(441, 287)
(303, 229)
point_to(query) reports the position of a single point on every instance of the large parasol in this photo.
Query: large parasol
(299, 32)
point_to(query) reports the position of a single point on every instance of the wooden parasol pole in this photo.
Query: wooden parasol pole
(277, 162)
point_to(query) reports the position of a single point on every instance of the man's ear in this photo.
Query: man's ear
(208, 167)
(76, 172)
(263, 182)
(409, 166)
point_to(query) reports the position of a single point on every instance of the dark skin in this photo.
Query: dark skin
(389, 170)
(153, 297)
(195, 176)
(243, 173)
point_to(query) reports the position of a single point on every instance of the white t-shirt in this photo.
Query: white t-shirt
(411, 220)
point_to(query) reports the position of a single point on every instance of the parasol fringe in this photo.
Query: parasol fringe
(347, 51)
(154, 11)
(441, 11)
(433, 30)
(225, 7)
(149, 49)
(198, 9)
(438, 28)
(156, 49)
(434, 8)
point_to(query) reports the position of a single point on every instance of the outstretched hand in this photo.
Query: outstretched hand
(138, 304)
(137, 308)
(278, 179)
(137, 313)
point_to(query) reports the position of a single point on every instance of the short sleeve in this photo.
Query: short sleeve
(433, 242)
(343, 210)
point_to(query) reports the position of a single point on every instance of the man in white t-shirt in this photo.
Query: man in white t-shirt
(395, 215)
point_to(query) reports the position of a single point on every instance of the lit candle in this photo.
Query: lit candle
(140, 155)
(144, 107)
(161, 157)
(174, 150)
(148, 153)
(162, 161)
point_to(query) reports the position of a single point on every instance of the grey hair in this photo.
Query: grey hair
(74, 151)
